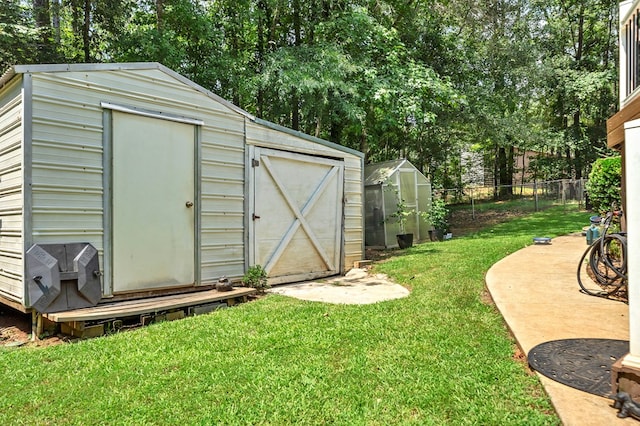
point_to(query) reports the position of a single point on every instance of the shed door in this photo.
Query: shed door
(296, 223)
(153, 194)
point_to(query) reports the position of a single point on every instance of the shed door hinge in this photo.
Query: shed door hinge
(255, 163)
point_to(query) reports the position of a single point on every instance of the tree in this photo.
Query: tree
(429, 80)
(579, 38)
(88, 29)
(22, 40)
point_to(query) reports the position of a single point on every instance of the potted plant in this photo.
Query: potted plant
(401, 215)
(437, 217)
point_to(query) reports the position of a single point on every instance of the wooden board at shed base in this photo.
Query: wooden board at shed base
(148, 305)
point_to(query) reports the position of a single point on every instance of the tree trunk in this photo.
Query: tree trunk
(510, 168)
(318, 124)
(297, 41)
(364, 141)
(85, 31)
(42, 17)
(364, 145)
(55, 21)
(261, 48)
(41, 13)
(503, 173)
(296, 22)
(159, 15)
(496, 170)
(295, 112)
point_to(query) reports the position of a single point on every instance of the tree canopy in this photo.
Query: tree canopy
(428, 80)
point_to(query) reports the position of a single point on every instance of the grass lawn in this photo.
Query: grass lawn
(440, 356)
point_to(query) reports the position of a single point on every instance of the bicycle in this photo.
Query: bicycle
(607, 265)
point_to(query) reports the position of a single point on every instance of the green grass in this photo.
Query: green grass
(439, 356)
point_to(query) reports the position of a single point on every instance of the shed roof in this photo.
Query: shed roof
(9, 74)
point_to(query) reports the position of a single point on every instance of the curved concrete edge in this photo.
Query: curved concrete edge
(536, 291)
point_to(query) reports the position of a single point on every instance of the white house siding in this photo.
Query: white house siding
(68, 163)
(11, 153)
(261, 135)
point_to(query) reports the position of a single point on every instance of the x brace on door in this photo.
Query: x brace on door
(299, 216)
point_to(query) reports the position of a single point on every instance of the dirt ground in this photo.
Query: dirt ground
(14, 327)
(462, 222)
(15, 330)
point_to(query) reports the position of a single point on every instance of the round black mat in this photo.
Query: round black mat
(583, 364)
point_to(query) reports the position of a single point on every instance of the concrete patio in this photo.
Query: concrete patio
(538, 295)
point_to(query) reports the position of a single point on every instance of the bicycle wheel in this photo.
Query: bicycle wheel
(588, 285)
(614, 255)
(606, 267)
(608, 264)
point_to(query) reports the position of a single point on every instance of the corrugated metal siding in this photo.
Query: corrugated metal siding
(67, 158)
(66, 168)
(222, 202)
(353, 185)
(11, 195)
(354, 220)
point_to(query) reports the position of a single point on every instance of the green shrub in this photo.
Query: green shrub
(604, 183)
(437, 214)
(256, 277)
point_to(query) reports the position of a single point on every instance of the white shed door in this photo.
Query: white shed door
(297, 215)
(153, 194)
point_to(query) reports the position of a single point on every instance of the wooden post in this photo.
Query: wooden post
(36, 325)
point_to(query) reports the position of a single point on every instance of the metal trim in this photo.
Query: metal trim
(249, 205)
(362, 213)
(35, 68)
(310, 138)
(27, 159)
(108, 164)
(334, 264)
(197, 219)
(151, 114)
(107, 203)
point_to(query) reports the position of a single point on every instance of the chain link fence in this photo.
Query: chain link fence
(531, 196)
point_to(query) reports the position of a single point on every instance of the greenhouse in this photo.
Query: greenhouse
(395, 192)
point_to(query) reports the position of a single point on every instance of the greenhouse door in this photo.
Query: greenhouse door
(153, 203)
(296, 215)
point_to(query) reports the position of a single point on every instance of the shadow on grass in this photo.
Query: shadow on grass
(378, 255)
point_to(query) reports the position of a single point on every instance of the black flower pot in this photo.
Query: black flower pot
(436, 235)
(405, 240)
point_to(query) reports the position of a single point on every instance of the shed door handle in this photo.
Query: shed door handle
(189, 204)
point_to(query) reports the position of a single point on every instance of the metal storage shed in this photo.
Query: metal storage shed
(164, 185)
(387, 184)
